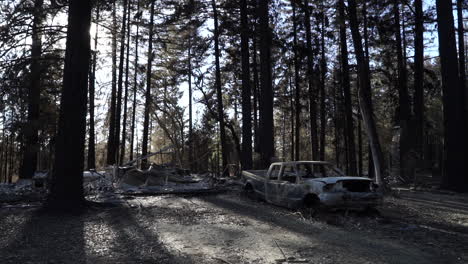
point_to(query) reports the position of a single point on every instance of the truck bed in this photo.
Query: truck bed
(255, 173)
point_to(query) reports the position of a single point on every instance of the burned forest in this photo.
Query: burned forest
(233, 131)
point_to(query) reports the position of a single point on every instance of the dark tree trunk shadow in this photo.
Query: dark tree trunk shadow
(46, 238)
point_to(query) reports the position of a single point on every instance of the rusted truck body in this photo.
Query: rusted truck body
(311, 184)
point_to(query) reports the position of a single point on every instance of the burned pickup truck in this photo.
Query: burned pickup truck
(311, 184)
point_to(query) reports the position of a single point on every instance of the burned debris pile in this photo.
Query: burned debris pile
(157, 179)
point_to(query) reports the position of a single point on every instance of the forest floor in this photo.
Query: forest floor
(228, 227)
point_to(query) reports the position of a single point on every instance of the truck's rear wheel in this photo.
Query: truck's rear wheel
(249, 191)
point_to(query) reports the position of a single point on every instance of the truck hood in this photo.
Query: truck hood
(333, 180)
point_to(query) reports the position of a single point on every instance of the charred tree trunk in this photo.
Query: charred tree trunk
(110, 160)
(291, 99)
(124, 121)
(418, 102)
(2, 151)
(256, 96)
(297, 97)
(92, 82)
(135, 87)
(346, 86)
(310, 79)
(455, 161)
(266, 102)
(403, 98)
(246, 158)
(118, 109)
(323, 72)
(189, 64)
(67, 178)
(365, 98)
(219, 94)
(461, 53)
(31, 146)
(360, 152)
(144, 147)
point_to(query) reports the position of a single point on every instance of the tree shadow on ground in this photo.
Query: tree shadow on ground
(136, 237)
(351, 244)
(46, 238)
(99, 234)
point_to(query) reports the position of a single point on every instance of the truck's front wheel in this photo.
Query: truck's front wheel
(310, 205)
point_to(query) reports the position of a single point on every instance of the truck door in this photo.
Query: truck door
(289, 190)
(271, 184)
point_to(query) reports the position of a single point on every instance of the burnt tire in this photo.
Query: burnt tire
(249, 191)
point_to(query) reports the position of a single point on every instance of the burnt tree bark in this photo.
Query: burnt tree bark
(118, 109)
(310, 78)
(455, 143)
(246, 156)
(297, 92)
(31, 144)
(135, 86)
(291, 102)
(461, 52)
(144, 147)
(418, 101)
(365, 98)
(266, 100)
(404, 113)
(91, 164)
(111, 148)
(190, 139)
(66, 190)
(346, 86)
(124, 120)
(219, 94)
(323, 73)
(256, 96)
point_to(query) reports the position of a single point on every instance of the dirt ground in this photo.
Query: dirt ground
(412, 227)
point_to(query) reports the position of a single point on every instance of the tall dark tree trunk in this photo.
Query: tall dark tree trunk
(2, 150)
(10, 156)
(403, 98)
(118, 109)
(323, 72)
(190, 139)
(135, 86)
(366, 31)
(455, 154)
(360, 152)
(31, 144)
(246, 158)
(297, 97)
(337, 126)
(311, 84)
(219, 94)
(124, 120)
(144, 147)
(110, 160)
(5, 167)
(67, 177)
(291, 101)
(256, 95)
(461, 52)
(365, 98)
(92, 82)
(346, 86)
(266, 100)
(418, 101)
